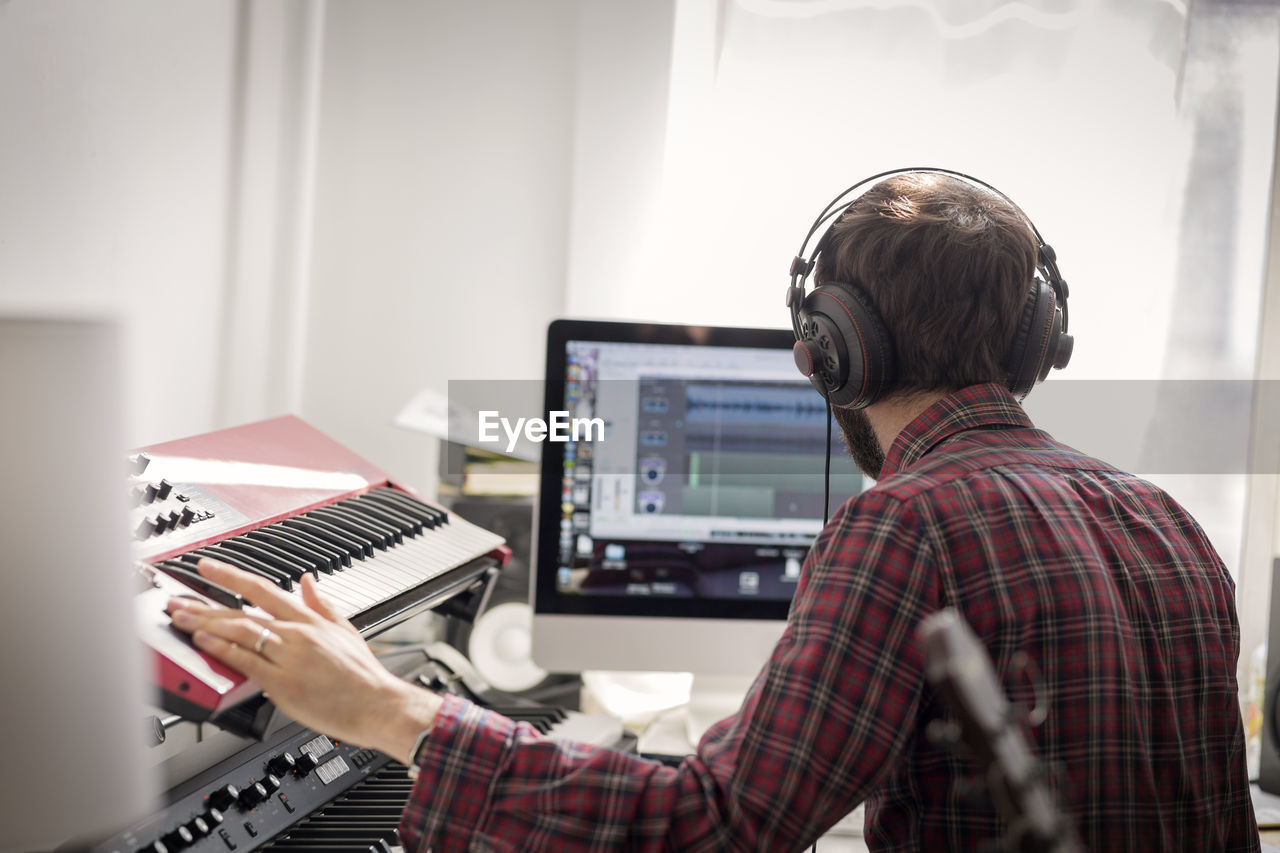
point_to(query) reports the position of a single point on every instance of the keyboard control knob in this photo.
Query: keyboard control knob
(252, 795)
(282, 764)
(306, 763)
(199, 827)
(223, 798)
(178, 839)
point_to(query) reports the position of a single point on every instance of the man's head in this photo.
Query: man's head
(948, 265)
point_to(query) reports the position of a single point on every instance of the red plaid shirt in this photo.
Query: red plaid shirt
(1105, 582)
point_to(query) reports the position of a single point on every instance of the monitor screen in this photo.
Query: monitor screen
(673, 521)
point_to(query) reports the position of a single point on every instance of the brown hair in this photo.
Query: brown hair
(948, 265)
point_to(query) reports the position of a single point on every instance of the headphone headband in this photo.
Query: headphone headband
(829, 340)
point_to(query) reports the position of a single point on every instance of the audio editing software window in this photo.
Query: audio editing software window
(708, 482)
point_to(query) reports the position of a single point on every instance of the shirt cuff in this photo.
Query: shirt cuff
(465, 752)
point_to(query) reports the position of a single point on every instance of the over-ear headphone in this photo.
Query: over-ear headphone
(844, 348)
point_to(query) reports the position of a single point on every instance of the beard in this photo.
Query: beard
(861, 440)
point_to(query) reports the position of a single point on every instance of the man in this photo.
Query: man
(1107, 585)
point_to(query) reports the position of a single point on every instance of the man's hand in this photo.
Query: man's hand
(311, 661)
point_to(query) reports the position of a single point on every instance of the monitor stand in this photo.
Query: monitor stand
(672, 729)
(711, 699)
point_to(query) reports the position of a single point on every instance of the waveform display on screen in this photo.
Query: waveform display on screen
(750, 403)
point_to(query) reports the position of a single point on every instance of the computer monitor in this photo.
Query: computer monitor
(674, 541)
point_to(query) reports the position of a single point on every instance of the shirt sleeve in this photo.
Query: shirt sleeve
(823, 721)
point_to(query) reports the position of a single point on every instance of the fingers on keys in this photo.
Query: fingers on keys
(257, 591)
(320, 603)
(191, 616)
(232, 642)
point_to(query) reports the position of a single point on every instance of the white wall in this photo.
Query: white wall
(277, 79)
(114, 151)
(1261, 545)
(441, 208)
(298, 206)
(623, 88)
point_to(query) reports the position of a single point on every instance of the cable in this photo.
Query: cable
(826, 472)
(826, 505)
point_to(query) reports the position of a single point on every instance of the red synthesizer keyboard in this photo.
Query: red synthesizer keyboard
(280, 499)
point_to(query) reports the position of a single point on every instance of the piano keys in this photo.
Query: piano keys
(279, 499)
(363, 820)
(362, 550)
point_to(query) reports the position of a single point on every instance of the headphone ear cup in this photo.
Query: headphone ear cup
(821, 352)
(848, 343)
(1039, 329)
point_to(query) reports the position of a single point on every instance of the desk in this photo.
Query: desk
(1267, 809)
(667, 735)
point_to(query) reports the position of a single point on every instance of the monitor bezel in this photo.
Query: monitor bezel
(546, 599)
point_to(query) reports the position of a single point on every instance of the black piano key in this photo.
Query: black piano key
(430, 516)
(386, 497)
(354, 526)
(351, 816)
(363, 819)
(184, 572)
(359, 515)
(343, 847)
(371, 839)
(337, 820)
(410, 525)
(338, 558)
(249, 562)
(398, 529)
(243, 561)
(372, 793)
(269, 555)
(410, 500)
(441, 514)
(335, 536)
(383, 535)
(309, 555)
(346, 811)
(366, 543)
(542, 718)
(393, 510)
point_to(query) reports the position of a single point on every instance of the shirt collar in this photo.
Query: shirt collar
(988, 405)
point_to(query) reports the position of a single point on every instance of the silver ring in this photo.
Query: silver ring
(262, 640)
